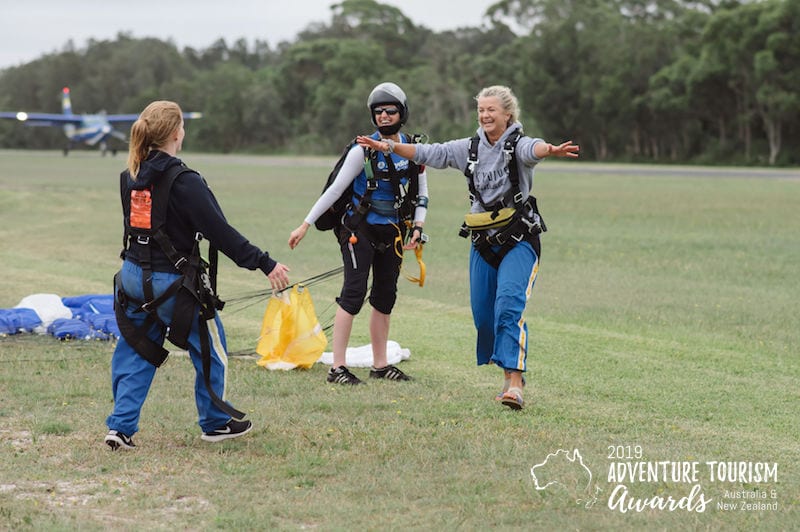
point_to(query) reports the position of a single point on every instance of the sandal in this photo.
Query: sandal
(513, 398)
(506, 384)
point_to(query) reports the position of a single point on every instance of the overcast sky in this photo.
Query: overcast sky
(31, 28)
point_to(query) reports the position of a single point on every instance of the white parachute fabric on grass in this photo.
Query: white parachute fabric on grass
(361, 357)
(48, 307)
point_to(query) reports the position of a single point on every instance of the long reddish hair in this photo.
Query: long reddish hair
(152, 130)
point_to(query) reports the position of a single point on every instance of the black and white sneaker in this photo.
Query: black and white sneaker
(390, 373)
(342, 375)
(117, 440)
(232, 429)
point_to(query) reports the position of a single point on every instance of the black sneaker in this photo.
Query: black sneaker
(342, 375)
(117, 440)
(390, 373)
(232, 429)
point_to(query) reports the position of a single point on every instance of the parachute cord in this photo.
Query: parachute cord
(253, 298)
(326, 324)
(244, 303)
(316, 278)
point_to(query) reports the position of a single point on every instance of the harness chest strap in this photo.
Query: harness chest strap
(514, 197)
(401, 195)
(514, 218)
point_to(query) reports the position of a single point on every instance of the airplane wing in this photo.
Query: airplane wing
(129, 119)
(43, 119)
(121, 119)
(60, 119)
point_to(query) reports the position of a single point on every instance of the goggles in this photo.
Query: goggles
(391, 111)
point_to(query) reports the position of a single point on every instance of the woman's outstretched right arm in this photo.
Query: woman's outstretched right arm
(351, 167)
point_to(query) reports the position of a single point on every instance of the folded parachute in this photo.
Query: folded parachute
(291, 336)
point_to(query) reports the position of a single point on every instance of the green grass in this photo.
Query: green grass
(665, 315)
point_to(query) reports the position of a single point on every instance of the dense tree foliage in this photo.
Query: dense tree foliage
(711, 81)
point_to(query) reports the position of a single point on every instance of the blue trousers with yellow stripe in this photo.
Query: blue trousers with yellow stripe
(498, 298)
(132, 375)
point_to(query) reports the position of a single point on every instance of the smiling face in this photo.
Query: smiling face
(386, 114)
(492, 117)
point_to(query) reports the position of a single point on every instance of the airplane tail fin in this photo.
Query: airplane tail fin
(66, 108)
(66, 104)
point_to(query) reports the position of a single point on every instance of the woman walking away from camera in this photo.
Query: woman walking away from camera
(372, 231)
(504, 225)
(165, 289)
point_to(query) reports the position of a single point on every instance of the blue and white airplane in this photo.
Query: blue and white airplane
(92, 129)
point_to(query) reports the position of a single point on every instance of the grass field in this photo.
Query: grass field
(663, 328)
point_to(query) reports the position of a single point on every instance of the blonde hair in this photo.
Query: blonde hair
(507, 100)
(152, 130)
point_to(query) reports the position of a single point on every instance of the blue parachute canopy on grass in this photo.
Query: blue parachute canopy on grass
(16, 320)
(82, 317)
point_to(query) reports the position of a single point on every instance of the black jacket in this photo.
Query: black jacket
(192, 208)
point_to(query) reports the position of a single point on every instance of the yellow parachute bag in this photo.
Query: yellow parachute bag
(291, 336)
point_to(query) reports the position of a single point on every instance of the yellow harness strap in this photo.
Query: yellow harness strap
(421, 279)
(418, 252)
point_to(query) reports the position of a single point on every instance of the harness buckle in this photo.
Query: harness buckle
(181, 262)
(534, 227)
(143, 239)
(471, 164)
(198, 236)
(372, 184)
(518, 198)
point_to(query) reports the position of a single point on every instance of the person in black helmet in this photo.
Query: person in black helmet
(372, 233)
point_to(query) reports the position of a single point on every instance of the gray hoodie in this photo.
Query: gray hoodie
(491, 172)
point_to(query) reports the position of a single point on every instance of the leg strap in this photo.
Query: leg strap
(205, 353)
(136, 336)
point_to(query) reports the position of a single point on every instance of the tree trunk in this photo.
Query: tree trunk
(773, 129)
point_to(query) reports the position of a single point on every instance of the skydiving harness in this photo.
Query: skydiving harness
(195, 289)
(515, 217)
(406, 200)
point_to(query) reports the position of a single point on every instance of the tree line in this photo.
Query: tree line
(704, 81)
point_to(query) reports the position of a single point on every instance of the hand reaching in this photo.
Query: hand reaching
(278, 277)
(369, 142)
(297, 235)
(565, 149)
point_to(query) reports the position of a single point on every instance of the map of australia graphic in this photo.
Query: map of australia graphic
(566, 470)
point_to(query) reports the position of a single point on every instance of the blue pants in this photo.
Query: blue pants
(132, 375)
(498, 298)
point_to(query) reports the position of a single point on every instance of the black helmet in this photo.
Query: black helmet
(388, 93)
